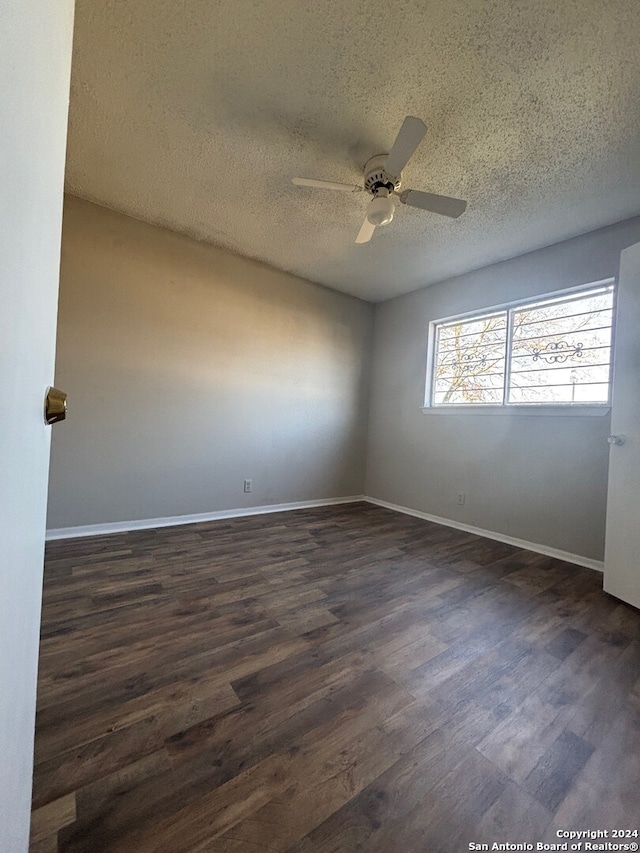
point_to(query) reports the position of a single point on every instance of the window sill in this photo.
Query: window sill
(567, 411)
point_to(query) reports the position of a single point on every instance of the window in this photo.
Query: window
(551, 351)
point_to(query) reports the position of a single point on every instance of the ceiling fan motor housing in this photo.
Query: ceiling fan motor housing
(376, 178)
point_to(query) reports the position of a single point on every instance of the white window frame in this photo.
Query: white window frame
(505, 408)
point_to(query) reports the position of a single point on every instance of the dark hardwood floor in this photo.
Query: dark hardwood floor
(328, 681)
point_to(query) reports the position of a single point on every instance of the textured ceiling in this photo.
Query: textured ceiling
(196, 114)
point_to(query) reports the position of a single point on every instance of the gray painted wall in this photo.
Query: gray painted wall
(189, 369)
(538, 478)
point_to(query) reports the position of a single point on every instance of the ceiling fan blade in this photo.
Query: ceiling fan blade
(410, 136)
(453, 207)
(366, 232)
(325, 185)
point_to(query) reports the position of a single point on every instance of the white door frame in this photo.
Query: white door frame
(622, 540)
(35, 62)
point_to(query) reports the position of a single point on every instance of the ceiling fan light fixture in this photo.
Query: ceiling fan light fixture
(381, 208)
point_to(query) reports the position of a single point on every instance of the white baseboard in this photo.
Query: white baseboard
(218, 515)
(173, 521)
(587, 562)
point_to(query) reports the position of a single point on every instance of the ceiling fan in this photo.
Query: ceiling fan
(383, 179)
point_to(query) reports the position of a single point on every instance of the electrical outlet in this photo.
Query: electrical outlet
(248, 486)
(461, 498)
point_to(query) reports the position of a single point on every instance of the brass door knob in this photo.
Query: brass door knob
(616, 439)
(55, 406)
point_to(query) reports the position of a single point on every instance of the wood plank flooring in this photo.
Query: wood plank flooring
(328, 681)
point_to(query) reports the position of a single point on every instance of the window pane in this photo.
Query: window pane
(596, 393)
(560, 353)
(561, 350)
(470, 361)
